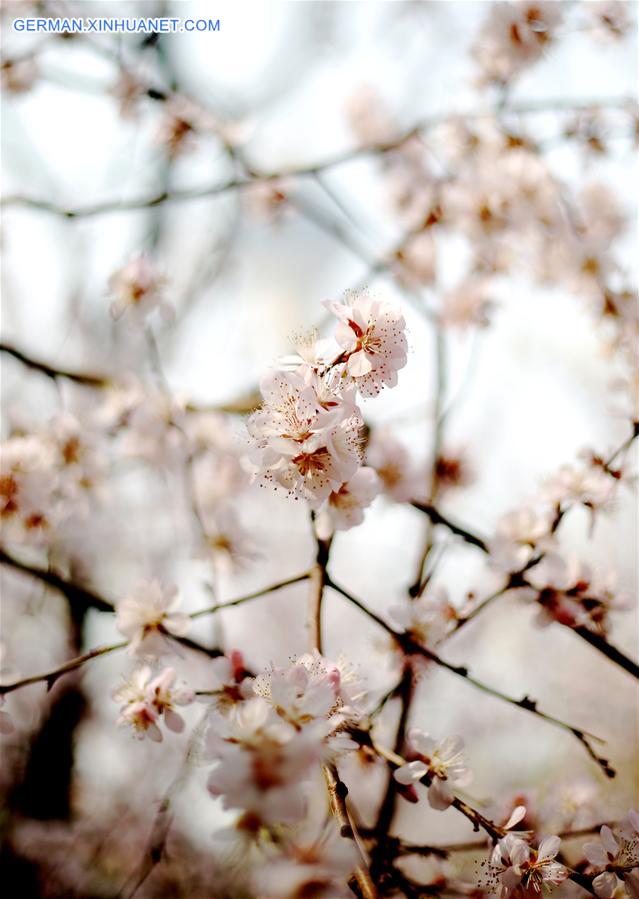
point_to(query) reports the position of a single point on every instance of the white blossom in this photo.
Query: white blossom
(443, 762)
(148, 616)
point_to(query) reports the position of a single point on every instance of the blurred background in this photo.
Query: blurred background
(95, 125)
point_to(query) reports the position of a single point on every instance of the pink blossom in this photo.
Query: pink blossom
(312, 689)
(568, 591)
(372, 336)
(519, 536)
(300, 445)
(344, 508)
(514, 36)
(428, 619)
(147, 699)
(229, 682)
(148, 615)
(391, 460)
(520, 868)
(319, 866)
(137, 287)
(137, 711)
(467, 305)
(615, 856)
(443, 762)
(262, 763)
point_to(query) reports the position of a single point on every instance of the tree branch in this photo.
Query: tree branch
(338, 791)
(410, 647)
(437, 518)
(52, 372)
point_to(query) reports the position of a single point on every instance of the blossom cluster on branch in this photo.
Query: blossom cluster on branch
(323, 774)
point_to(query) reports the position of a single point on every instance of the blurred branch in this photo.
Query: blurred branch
(239, 406)
(90, 380)
(249, 596)
(161, 824)
(611, 652)
(85, 599)
(437, 518)
(419, 584)
(380, 148)
(50, 677)
(76, 594)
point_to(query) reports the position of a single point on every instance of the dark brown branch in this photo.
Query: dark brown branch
(437, 518)
(51, 371)
(611, 652)
(76, 594)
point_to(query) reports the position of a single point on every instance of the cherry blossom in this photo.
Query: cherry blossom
(524, 871)
(229, 681)
(391, 460)
(590, 485)
(514, 36)
(467, 305)
(443, 762)
(519, 536)
(164, 694)
(262, 764)
(568, 591)
(138, 288)
(615, 857)
(148, 616)
(26, 486)
(428, 619)
(344, 508)
(300, 446)
(372, 336)
(313, 688)
(137, 711)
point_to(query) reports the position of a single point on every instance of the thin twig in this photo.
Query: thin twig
(218, 607)
(50, 677)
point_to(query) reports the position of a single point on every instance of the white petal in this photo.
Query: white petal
(410, 773)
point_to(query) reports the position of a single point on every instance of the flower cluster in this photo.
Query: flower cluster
(514, 36)
(268, 744)
(146, 699)
(50, 479)
(568, 591)
(307, 436)
(614, 858)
